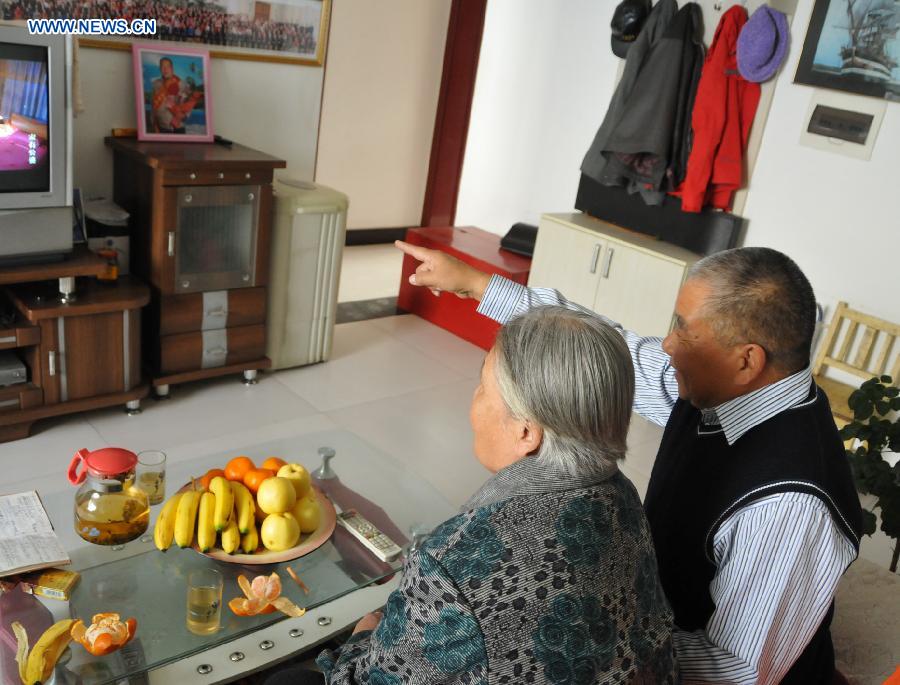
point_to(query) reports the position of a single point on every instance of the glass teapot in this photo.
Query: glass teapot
(109, 508)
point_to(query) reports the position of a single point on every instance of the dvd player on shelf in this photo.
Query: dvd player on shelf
(12, 370)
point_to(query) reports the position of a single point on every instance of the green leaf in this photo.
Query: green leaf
(869, 522)
(883, 407)
(864, 411)
(886, 379)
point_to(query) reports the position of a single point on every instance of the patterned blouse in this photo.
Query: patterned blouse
(543, 578)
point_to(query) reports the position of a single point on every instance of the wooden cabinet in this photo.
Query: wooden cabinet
(628, 277)
(79, 355)
(201, 219)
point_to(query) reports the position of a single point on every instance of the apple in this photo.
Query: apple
(298, 475)
(307, 513)
(276, 495)
(279, 532)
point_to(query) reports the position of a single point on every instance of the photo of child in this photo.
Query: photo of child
(171, 90)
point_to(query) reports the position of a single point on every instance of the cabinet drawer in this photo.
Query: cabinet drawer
(17, 397)
(211, 310)
(209, 349)
(191, 177)
(19, 336)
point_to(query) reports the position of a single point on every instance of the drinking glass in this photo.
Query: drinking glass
(204, 601)
(151, 475)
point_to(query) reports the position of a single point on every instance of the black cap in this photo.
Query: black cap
(627, 21)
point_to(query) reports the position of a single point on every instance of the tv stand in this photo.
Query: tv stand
(79, 339)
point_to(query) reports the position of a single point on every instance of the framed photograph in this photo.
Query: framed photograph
(290, 31)
(171, 88)
(852, 45)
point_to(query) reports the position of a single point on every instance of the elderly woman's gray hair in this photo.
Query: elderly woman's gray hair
(571, 374)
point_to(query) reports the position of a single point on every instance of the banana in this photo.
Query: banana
(206, 532)
(46, 652)
(250, 540)
(244, 506)
(164, 530)
(221, 488)
(21, 647)
(186, 518)
(231, 537)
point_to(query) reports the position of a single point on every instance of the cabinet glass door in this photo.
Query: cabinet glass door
(215, 240)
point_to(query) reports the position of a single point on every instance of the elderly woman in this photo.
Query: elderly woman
(548, 574)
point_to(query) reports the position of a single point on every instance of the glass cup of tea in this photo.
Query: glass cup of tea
(204, 601)
(150, 475)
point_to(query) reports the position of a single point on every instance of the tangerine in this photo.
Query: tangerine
(273, 463)
(237, 468)
(209, 475)
(254, 478)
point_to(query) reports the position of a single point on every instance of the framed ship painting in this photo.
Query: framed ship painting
(852, 45)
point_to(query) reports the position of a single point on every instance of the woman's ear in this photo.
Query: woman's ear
(530, 437)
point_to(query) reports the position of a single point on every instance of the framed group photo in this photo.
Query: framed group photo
(289, 31)
(853, 46)
(171, 93)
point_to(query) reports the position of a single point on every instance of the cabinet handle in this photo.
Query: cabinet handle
(251, 197)
(171, 246)
(216, 351)
(51, 362)
(193, 176)
(220, 311)
(595, 258)
(188, 198)
(220, 175)
(607, 260)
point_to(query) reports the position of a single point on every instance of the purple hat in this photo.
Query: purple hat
(762, 44)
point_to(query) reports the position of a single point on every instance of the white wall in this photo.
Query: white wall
(270, 107)
(382, 82)
(545, 79)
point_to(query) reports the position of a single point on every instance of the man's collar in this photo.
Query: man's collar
(739, 415)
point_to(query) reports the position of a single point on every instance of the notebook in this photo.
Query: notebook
(27, 540)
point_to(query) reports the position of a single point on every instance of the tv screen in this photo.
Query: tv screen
(24, 119)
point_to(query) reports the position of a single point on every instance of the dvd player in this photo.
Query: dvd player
(12, 370)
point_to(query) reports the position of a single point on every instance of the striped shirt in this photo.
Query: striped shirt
(778, 559)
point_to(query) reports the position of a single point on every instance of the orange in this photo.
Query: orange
(254, 478)
(237, 468)
(212, 473)
(273, 463)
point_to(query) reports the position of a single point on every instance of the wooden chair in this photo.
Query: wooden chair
(841, 351)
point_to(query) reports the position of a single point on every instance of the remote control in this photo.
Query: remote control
(371, 538)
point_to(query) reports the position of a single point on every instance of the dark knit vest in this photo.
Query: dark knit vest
(698, 480)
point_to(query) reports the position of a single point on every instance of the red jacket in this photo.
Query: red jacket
(723, 113)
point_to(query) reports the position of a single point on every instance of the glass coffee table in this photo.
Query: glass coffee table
(345, 581)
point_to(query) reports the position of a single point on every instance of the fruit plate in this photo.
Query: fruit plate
(308, 542)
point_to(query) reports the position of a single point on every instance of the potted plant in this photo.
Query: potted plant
(876, 426)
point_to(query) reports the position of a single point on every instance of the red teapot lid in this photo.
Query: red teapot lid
(102, 463)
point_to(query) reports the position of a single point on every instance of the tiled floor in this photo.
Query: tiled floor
(400, 384)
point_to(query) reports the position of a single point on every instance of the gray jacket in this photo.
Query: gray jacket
(652, 31)
(545, 578)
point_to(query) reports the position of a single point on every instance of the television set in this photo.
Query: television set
(35, 146)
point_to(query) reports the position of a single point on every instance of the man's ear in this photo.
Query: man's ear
(752, 362)
(529, 438)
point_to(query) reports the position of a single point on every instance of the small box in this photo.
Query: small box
(52, 583)
(473, 246)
